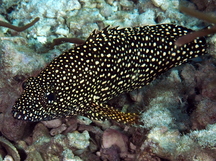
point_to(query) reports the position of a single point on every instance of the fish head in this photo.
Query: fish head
(40, 101)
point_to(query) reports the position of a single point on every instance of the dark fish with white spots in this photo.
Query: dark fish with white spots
(110, 62)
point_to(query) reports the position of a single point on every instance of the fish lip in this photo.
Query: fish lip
(21, 116)
(18, 114)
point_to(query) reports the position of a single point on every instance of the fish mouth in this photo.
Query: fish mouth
(21, 113)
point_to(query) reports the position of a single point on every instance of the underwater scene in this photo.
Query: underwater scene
(107, 80)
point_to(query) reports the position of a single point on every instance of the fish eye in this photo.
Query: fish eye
(50, 97)
(24, 84)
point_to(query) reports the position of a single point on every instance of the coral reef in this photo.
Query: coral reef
(177, 109)
(78, 19)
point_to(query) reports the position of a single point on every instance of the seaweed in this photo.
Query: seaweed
(61, 40)
(56, 41)
(200, 33)
(17, 28)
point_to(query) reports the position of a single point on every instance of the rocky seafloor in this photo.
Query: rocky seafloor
(178, 110)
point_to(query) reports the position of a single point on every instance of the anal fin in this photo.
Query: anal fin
(103, 112)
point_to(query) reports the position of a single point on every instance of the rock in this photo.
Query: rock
(14, 129)
(53, 123)
(204, 114)
(114, 137)
(78, 140)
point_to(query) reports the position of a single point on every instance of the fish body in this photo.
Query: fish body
(110, 62)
